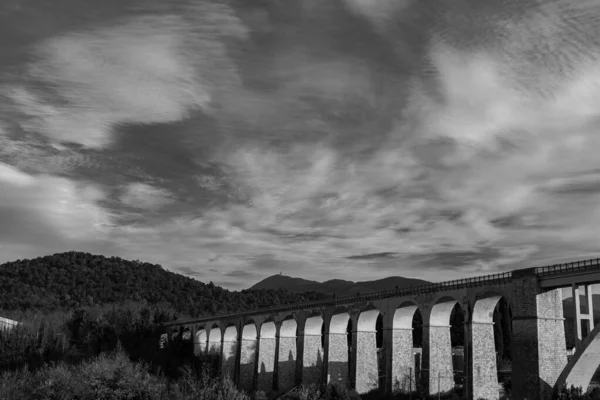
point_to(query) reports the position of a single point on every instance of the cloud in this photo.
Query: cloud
(150, 69)
(146, 197)
(372, 256)
(45, 213)
(190, 271)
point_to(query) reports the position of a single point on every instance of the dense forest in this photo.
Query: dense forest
(74, 279)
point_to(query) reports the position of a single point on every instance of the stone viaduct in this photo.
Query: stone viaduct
(338, 340)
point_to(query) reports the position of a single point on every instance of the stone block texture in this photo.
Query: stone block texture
(552, 349)
(266, 363)
(367, 373)
(313, 359)
(403, 361)
(338, 365)
(287, 363)
(439, 350)
(247, 364)
(539, 348)
(229, 358)
(485, 373)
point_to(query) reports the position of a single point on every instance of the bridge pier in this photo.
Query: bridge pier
(337, 352)
(267, 348)
(538, 349)
(287, 356)
(402, 359)
(313, 351)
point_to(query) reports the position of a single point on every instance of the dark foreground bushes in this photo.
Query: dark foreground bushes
(112, 377)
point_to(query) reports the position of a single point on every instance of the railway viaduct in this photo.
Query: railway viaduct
(336, 339)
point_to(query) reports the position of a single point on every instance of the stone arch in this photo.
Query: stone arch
(248, 355)
(484, 347)
(214, 340)
(338, 357)
(266, 355)
(312, 363)
(186, 334)
(200, 342)
(437, 345)
(582, 366)
(230, 347)
(367, 354)
(286, 364)
(403, 359)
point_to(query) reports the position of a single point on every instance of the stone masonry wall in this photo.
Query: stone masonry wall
(229, 355)
(313, 359)
(485, 373)
(366, 362)
(551, 340)
(266, 363)
(247, 361)
(441, 373)
(338, 359)
(287, 363)
(403, 361)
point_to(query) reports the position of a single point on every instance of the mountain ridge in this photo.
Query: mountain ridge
(339, 287)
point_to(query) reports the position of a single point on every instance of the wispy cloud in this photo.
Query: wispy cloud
(150, 69)
(146, 197)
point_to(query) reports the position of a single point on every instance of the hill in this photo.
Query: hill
(338, 286)
(76, 279)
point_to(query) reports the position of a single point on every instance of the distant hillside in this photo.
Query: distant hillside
(75, 279)
(338, 286)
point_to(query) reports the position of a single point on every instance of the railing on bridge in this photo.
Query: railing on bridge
(501, 278)
(404, 292)
(584, 265)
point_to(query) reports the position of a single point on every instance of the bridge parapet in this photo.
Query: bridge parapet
(494, 279)
(576, 266)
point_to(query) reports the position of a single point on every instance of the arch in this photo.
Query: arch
(367, 320)
(338, 358)
(485, 371)
(200, 342)
(339, 323)
(441, 311)
(248, 355)
(214, 340)
(230, 334)
(438, 367)
(404, 374)
(187, 333)
(403, 316)
(266, 355)
(312, 362)
(268, 330)
(289, 328)
(583, 364)
(368, 362)
(313, 325)
(287, 354)
(230, 346)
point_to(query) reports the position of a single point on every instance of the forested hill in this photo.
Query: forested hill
(75, 279)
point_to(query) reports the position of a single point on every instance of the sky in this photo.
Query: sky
(230, 140)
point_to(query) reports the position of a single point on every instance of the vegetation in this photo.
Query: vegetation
(70, 280)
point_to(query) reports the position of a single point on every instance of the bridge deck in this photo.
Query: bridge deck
(553, 276)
